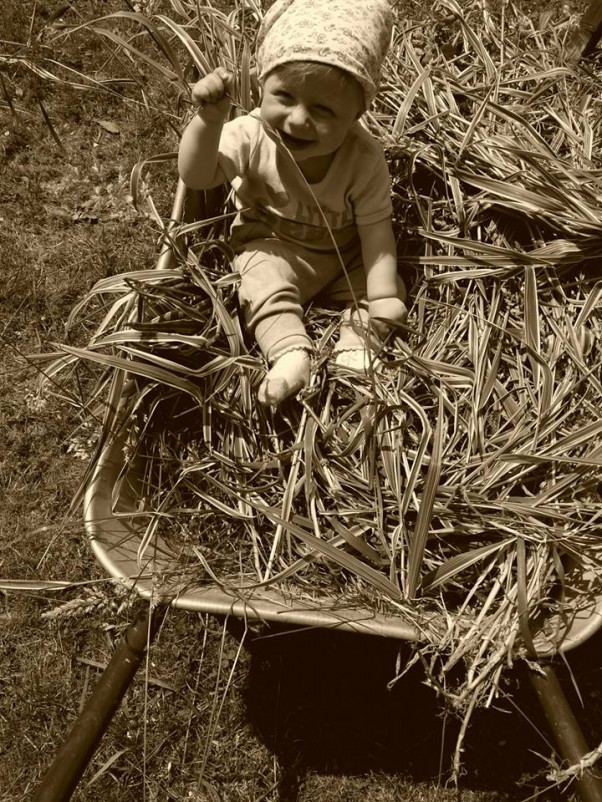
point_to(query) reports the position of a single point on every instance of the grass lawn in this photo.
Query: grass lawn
(292, 715)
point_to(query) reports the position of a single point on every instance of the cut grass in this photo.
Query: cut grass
(86, 251)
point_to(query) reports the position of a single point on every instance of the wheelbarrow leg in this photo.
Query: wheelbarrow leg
(63, 775)
(570, 740)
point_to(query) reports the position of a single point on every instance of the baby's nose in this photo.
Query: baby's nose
(299, 116)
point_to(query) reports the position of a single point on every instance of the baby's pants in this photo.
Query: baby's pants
(278, 278)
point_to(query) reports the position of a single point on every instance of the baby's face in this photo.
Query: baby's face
(313, 116)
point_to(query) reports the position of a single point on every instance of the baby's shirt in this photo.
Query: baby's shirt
(274, 200)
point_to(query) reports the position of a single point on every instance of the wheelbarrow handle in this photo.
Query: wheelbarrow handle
(70, 762)
(570, 740)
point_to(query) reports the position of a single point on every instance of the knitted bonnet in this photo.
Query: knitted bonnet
(353, 35)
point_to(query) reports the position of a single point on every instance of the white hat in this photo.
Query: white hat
(353, 35)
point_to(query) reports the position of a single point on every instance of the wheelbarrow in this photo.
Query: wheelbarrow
(115, 531)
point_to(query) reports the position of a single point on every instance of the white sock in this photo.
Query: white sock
(288, 375)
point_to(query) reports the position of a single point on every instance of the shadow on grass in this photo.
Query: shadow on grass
(319, 701)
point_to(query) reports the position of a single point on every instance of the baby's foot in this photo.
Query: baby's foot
(360, 360)
(288, 375)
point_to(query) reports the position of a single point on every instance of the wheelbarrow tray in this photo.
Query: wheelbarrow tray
(115, 526)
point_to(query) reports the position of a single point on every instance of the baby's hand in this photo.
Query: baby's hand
(211, 94)
(385, 313)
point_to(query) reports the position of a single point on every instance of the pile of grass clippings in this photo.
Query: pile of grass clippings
(459, 487)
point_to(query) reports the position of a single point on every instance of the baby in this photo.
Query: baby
(311, 185)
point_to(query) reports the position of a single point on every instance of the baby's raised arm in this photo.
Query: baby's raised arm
(197, 156)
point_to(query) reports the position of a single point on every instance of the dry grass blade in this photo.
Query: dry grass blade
(134, 52)
(35, 584)
(460, 562)
(152, 372)
(418, 540)
(106, 766)
(340, 557)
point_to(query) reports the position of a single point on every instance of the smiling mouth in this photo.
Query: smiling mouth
(292, 142)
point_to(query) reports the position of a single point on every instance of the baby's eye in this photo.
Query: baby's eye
(324, 111)
(281, 94)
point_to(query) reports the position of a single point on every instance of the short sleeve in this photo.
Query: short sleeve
(235, 146)
(371, 197)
